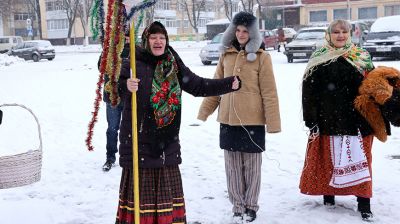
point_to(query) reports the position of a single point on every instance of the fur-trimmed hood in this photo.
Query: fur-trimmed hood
(251, 22)
(375, 91)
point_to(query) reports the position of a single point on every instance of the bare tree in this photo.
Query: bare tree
(5, 7)
(149, 15)
(34, 5)
(247, 5)
(193, 9)
(229, 6)
(71, 9)
(84, 13)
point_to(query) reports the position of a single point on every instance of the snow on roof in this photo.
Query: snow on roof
(219, 21)
(388, 23)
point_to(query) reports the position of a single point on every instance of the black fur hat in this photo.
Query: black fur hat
(251, 23)
(244, 18)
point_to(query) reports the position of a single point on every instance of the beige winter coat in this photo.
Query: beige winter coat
(256, 103)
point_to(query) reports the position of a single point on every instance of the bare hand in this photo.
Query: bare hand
(235, 84)
(132, 84)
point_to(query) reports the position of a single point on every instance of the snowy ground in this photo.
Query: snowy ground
(74, 189)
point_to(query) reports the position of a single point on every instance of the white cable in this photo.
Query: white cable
(248, 133)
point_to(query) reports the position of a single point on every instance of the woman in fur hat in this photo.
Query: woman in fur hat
(161, 77)
(245, 115)
(338, 158)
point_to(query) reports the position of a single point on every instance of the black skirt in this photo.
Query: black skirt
(248, 138)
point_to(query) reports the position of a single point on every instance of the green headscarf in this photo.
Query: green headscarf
(356, 56)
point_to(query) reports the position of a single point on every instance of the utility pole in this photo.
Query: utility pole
(85, 18)
(348, 10)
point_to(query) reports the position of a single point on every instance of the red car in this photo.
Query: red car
(270, 39)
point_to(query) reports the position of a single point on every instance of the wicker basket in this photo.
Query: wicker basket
(24, 168)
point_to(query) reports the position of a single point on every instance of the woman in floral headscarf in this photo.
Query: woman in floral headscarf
(338, 158)
(162, 76)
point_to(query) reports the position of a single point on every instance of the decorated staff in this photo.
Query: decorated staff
(113, 41)
(134, 127)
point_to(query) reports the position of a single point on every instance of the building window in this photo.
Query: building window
(367, 13)
(185, 23)
(340, 14)
(22, 16)
(163, 5)
(23, 32)
(168, 22)
(180, 6)
(235, 6)
(318, 16)
(54, 5)
(202, 22)
(209, 7)
(392, 10)
(57, 24)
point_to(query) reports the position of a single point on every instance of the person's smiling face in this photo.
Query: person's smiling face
(339, 36)
(242, 35)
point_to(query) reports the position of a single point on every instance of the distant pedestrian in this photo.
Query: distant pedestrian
(281, 38)
(113, 114)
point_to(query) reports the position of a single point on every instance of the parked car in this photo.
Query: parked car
(7, 42)
(305, 43)
(211, 52)
(34, 50)
(359, 32)
(269, 38)
(289, 33)
(384, 38)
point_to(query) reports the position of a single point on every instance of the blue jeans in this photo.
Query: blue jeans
(113, 120)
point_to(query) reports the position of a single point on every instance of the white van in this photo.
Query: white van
(7, 42)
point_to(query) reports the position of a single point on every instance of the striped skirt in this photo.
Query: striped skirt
(318, 168)
(161, 197)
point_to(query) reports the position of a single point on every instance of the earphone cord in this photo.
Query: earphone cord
(262, 150)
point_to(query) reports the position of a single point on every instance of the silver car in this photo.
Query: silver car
(211, 52)
(305, 43)
(384, 38)
(34, 50)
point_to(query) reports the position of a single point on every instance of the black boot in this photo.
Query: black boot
(279, 48)
(110, 162)
(329, 200)
(251, 215)
(364, 207)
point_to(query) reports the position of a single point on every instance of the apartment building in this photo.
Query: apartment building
(15, 21)
(173, 13)
(56, 24)
(299, 13)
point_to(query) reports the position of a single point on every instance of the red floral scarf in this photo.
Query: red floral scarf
(165, 92)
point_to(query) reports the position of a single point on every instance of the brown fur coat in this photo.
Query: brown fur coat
(374, 91)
